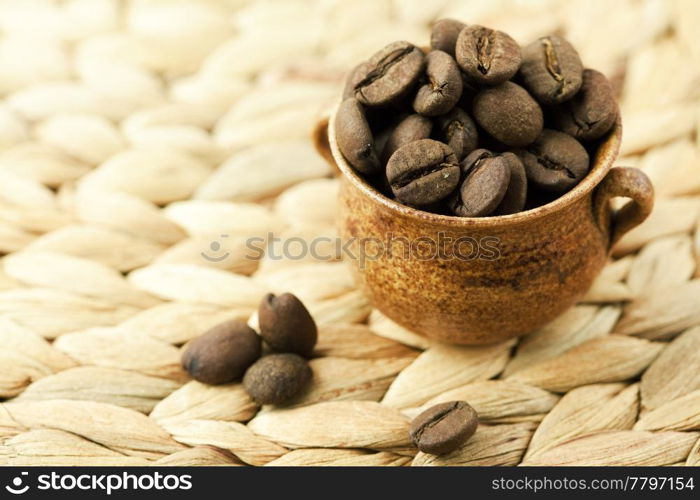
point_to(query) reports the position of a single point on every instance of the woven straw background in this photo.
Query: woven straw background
(134, 135)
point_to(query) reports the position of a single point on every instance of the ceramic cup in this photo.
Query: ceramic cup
(482, 280)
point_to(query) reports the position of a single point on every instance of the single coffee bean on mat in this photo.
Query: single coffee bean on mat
(592, 112)
(486, 179)
(556, 162)
(286, 325)
(423, 172)
(444, 427)
(509, 114)
(444, 35)
(487, 57)
(443, 87)
(277, 378)
(516, 194)
(355, 138)
(551, 70)
(223, 353)
(458, 130)
(412, 128)
(389, 74)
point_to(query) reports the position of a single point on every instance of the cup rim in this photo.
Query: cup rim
(603, 161)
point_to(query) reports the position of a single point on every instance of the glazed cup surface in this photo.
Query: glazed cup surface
(482, 280)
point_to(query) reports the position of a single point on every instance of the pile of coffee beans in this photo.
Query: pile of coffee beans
(232, 350)
(444, 427)
(477, 126)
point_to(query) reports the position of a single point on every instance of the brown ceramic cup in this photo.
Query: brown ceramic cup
(508, 275)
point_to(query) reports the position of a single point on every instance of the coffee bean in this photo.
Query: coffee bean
(354, 77)
(223, 353)
(412, 128)
(277, 378)
(592, 112)
(473, 159)
(444, 427)
(487, 57)
(458, 131)
(286, 325)
(509, 114)
(443, 88)
(444, 35)
(486, 179)
(389, 74)
(556, 162)
(551, 70)
(423, 172)
(355, 138)
(516, 194)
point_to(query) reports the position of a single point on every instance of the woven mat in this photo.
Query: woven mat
(136, 137)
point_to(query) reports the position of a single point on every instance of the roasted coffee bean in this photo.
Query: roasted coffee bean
(487, 57)
(444, 35)
(516, 194)
(458, 131)
(412, 128)
(444, 427)
(355, 137)
(592, 112)
(223, 353)
(423, 172)
(444, 86)
(354, 77)
(551, 70)
(473, 159)
(486, 179)
(286, 325)
(389, 74)
(277, 378)
(556, 162)
(509, 114)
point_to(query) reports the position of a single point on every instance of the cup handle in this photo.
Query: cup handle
(630, 183)
(319, 138)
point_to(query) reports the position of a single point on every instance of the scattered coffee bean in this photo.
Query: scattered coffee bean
(551, 70)
(389, 74)
(286, 325)
(592, 112)
(556, 162)
(412, 128)
(444, 427)
(516, 194)
(223, 353)
(509, 114)
(458, 131)
(277, 378)
(486, 179)
(487, 56)
(354, 137)
(423, 172)
(444, 86)
(444, 35)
